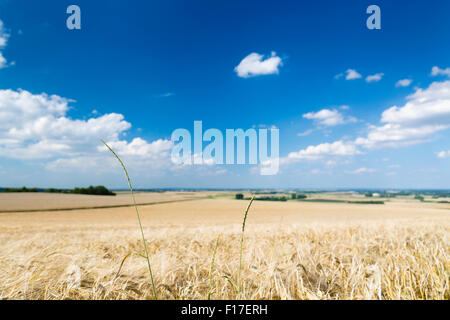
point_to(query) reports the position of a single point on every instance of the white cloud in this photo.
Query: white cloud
(306, 133)
(362, 170)
(394, 135)
(84, 164)
(141, 148)
(255, 65)
(443, 154)
(403, 83)
(375, 77)
(352, 75)
(328, 117)
(436, 71)
(338, 148)
(3, 62)
(4, 36)
(431, 105)
(426, 112)
(36, 126)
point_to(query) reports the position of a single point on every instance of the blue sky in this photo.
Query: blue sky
(138, 70)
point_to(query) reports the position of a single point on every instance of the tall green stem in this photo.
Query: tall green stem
(138, 216)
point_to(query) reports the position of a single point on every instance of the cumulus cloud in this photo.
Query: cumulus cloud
(338, 148)
(352, 75)
(305, 133)
(362, 170)
(83, 164)
(36, 126)
(426, 112)
(436, 71)
(328, 117)
(425, 106)
(394, 135)
(4, 36)
(3, 62)
(255, 65)
(140, 147)
(374, 77)
(443, 154)
(403, 83)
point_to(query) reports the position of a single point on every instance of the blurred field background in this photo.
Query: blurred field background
(292, 249)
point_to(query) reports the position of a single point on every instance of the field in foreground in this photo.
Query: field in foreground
(292, 250)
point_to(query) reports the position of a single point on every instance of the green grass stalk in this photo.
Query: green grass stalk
(138, 216)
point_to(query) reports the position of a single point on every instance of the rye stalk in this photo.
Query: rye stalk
(138, 216)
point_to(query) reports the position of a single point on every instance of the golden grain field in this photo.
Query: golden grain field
(292, 250)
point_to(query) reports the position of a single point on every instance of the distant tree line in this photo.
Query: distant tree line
(271, 197)
(266, 192)
(23, 189)
(98, 190)
(303, 197)
(298, 196)
(240, 196)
